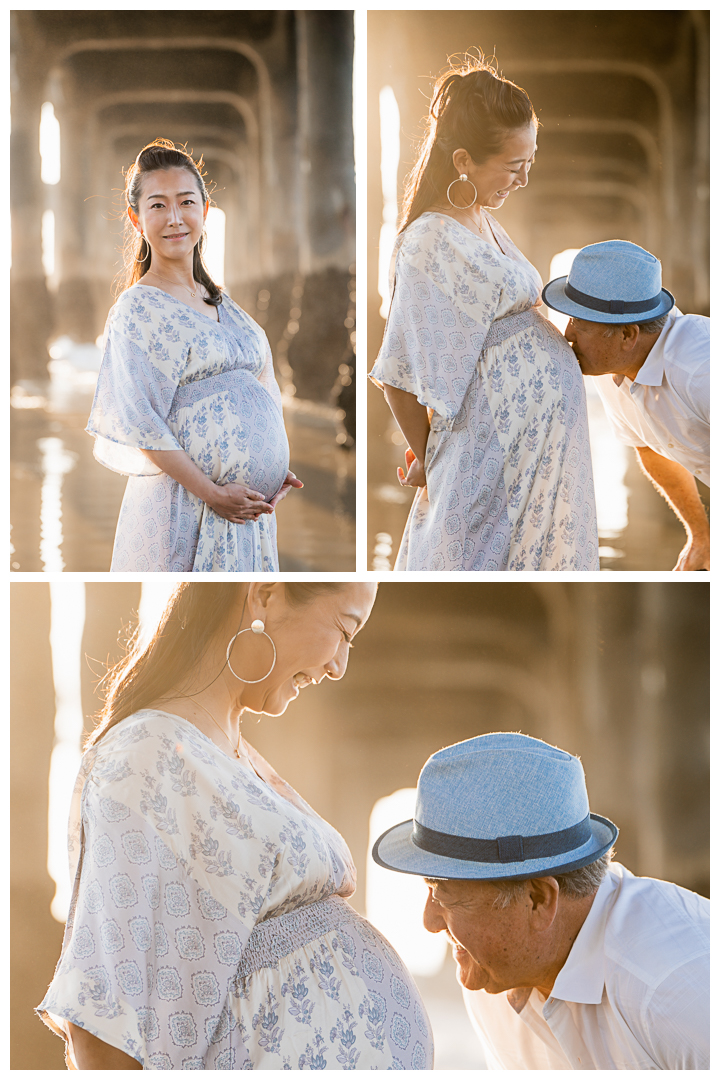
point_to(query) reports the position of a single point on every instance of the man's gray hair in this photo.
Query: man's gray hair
(575, 884)
(654, 326)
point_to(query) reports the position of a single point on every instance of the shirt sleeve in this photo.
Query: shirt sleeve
(162, 909)
(447, 293)
(145, 354)
(677, 1017)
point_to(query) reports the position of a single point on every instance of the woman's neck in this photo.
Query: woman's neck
(177, 271)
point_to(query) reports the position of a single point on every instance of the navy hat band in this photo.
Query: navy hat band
(612, 307)
(504, 849)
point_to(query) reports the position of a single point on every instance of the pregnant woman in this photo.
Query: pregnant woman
(186, 403)
(487, 393)
(209, 927)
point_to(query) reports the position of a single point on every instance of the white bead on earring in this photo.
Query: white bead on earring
(257, 626)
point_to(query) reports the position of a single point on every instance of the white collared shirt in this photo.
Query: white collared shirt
(634, 992)
(667, 407)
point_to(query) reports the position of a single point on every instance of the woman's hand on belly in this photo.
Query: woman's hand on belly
(234, 502)
(238, 503)
(291, 481)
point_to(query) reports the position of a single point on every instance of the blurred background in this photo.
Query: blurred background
(616, 672)
(266, 98)
(623, 152)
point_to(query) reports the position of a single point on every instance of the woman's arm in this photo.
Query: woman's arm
(90, 1052)
(234, 502)
(413, 421)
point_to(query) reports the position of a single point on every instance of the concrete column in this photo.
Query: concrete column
(75, 300)
(326, 134)
(30, 302)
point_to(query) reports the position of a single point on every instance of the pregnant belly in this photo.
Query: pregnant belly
(328, 972)
(232, 429)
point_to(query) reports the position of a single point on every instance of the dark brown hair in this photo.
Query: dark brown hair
(473, 108)
(137, 257)
(195, 614)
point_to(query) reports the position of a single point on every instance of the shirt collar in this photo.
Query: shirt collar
(582, 977)
(653, 369)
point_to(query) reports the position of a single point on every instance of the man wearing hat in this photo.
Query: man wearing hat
(567, 961)
(653, 372)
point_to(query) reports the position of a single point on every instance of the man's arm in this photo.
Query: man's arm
(678, 487)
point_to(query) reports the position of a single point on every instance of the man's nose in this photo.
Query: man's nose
(432, 918)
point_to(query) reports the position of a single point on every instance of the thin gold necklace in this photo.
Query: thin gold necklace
(236, 749)
(171, 282)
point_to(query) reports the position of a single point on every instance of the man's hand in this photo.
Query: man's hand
(695, 555)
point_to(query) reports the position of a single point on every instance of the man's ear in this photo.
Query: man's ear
(630, 335)
(544, 894)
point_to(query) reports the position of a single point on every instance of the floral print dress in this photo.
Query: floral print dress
(174, 379)
(509, 475)
(208, 926)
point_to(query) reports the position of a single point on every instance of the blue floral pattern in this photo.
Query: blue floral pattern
(509, 475)
(174, 379)
(160, 957)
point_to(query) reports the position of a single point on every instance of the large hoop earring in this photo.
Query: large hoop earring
(462, 179)
(257, 627)
(147, 253)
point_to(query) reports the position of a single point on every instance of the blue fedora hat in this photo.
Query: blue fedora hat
(498, 806)
(612, 282)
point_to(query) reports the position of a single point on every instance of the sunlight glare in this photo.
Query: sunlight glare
(389, 163)
(48, 243)
(49, 145)
(55, 463)
(395, 902)
(153, 600)
(214, 254)
(560, 266)
(67, 621)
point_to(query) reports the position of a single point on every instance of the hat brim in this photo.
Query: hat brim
(554, 296)
(395, 850)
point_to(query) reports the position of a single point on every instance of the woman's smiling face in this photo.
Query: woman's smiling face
(503, 172)
(171, 212)
(312, 641)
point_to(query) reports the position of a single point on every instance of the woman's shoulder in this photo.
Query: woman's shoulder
(239, 315)
(436, 232)
(139, 302)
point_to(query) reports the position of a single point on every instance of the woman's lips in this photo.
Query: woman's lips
(178, 236)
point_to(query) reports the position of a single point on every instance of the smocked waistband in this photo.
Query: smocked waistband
(191, 392)
(277, 937)
(502, 329)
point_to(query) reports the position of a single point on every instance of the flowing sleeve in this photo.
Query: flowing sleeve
(145, 354)
(447, 292)
(267, 375)
(172, 873)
